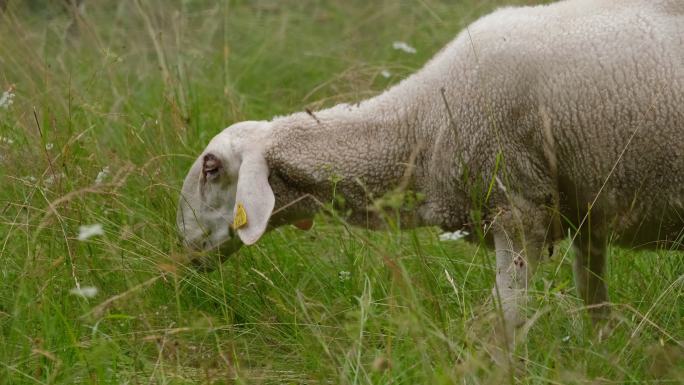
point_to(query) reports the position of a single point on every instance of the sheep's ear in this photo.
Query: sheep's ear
(254, 200)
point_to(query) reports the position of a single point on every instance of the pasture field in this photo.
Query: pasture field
(107, 116)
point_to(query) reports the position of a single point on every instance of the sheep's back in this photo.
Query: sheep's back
(602, 89)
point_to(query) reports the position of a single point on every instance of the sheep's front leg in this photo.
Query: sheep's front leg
(519, 236)
(589, 267)
(515, 264)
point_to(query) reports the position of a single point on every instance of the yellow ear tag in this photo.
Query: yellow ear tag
(240, 219)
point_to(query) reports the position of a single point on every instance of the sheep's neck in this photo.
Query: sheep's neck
(350, 156)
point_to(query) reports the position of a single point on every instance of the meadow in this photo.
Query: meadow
(102, 114)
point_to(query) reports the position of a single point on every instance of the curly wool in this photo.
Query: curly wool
(566, 106)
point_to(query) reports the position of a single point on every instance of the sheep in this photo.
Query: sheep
(545, 120)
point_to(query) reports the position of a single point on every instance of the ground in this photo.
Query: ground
(99, 123)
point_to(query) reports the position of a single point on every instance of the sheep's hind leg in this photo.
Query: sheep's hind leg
(590, 263)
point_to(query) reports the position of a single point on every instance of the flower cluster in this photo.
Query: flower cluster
(7, 98)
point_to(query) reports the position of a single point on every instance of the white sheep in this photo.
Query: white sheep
(546, 119)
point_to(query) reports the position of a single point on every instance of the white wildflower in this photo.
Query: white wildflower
(85, 232)
(7, 98)
(565, 339)
(49, 146)
(52, 179)
(455, 236)
(385, 74)
(102, 175)
(6, 140)
(344, 276)
(402, 46)
(84, 291)
(30, 179)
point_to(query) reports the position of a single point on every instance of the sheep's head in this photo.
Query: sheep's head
(226, 200)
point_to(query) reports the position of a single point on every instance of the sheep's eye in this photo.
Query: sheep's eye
(211, 166)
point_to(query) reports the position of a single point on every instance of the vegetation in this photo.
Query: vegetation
(108, 115)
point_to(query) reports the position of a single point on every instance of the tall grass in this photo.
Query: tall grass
(140, 87)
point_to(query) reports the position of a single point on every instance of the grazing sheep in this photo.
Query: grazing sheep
(546, 120)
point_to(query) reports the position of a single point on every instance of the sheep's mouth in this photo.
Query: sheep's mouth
(207, 259)
(229, 247)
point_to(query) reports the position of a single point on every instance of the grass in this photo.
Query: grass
(140, 87)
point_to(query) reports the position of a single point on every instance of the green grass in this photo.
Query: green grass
(141, 89)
